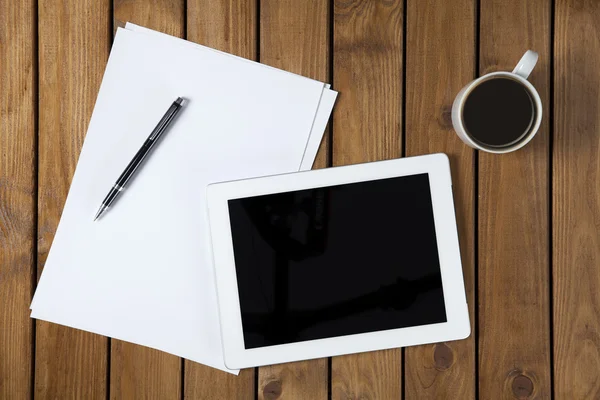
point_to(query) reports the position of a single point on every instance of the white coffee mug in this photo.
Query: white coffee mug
(520, 74)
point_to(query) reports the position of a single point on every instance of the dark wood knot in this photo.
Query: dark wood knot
(272, 390)
(443, 357)
(522, 387)
(445, 120)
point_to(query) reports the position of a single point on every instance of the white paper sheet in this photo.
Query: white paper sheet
(142, 273)
(323, 112)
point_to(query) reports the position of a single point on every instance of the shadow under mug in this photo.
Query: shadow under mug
(519, 74)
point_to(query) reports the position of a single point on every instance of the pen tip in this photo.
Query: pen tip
(100, 212)
(180, 101)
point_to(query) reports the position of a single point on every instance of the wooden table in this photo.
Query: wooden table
(529, 221)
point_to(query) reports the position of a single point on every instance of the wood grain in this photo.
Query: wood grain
(514, 331)
(137, 371)
(226, 25)
(166, 16)
(231, 26)
(298, 380)
(207, 383)
(74, 41)
(367, 71)
(18, 169)
(576, 200)
(440, 60)
(373, 375)
(294, 36)
(367, 124)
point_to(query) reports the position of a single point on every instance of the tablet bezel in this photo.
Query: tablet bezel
(457, 325)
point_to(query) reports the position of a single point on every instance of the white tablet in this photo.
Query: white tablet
(336, 261)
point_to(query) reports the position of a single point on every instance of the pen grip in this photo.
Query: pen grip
(157, 132)
(135, 162)
(128, 173)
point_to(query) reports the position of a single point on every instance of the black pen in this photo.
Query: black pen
(139, 157)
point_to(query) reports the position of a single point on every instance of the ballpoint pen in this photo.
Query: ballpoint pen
(139, 157)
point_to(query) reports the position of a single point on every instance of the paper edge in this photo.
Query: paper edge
(143, 30)
(322, 117)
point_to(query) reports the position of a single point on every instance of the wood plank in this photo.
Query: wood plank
(18, 171)
(202, 382)
(437, 67)
(514, 336)
(576, 201)
(231, 26)
(226, 25)
(137, 371)
(167, 16)
(367, 120)
(298, 380)
(294, 36)
(74, 42)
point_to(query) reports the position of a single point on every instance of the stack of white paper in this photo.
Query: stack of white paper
(143, 273)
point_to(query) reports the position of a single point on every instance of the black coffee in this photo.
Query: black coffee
(498, 112)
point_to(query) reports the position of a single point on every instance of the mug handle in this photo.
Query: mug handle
(526, 64)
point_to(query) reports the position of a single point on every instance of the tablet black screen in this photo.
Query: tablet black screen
(339, 260)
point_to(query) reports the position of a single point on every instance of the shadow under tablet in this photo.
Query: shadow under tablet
(334, 261)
